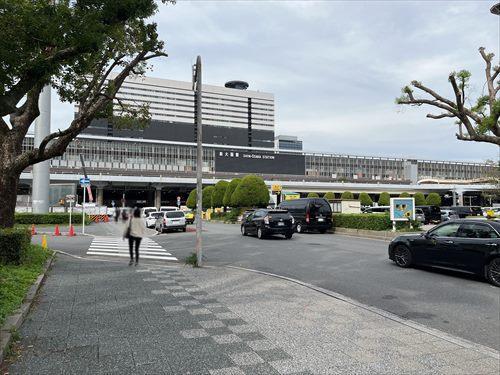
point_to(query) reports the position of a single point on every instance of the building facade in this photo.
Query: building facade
(231, 115)
(288, 142)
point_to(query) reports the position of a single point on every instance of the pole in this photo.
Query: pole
(70, 211)
(199, 162)
(83, 209)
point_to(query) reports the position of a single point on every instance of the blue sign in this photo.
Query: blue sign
(84, 181)
(402, 209)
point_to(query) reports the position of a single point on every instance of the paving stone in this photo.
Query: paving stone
(261, 344)
(272, 354)
(227, 371)
(242, 328)
(170, 309)
(189, 303)
(211, 324)
(261, 369)
(246, 358)
(226, 339)
(160, 291)
(194, 333)
(199, 311)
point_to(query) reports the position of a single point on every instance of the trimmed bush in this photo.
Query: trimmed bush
(384, 199)
(250, 192)
(419, 199)
(365, 199)
(347, 195)
(206, 197)
(362, 221)
(313, 195)
(404, 194)
(433, 199)
(50, 218)
(14, 243)
(232, 216)
(218, 195)
(329, 195)
(191, 201)
(230, 190)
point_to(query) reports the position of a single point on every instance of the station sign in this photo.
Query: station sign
(259, 162)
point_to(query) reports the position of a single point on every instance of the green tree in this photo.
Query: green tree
(433, 199)
(313, 195)
(251, 192)
(419, 199)
(329, 196)
(384, 199)
(218, 195)
(404, 194)
(347, 195)
(84, 50)
(478, 121)
(191, 201)
(206, 197)
(365, 199)
(230, 190)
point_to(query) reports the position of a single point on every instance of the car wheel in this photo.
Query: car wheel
(299, 228)
(402, 256)
(184, 229)
(260, 235)
(243, 230)
(289, 235)
(322, 231)
(493, 272)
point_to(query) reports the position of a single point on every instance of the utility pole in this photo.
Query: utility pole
(199, 158)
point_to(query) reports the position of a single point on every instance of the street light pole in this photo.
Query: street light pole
(199, 159)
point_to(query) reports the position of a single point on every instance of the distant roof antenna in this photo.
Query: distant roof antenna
(238, 85)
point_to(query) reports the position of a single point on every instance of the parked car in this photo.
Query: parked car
(419, 215)
(447, 215)
(146, 210)
(432, 214)
(264, 222)
(168, 208)
(170, 220)
(464, 211)
(309, 213)
(189, 215)
(151, 219)
(464, 245)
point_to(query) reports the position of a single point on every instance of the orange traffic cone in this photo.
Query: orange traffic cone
(106, 218)
(57, 232)
(71, 232)
(33, 230)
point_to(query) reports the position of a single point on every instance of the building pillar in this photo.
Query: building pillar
(158, 197)
(100, 195)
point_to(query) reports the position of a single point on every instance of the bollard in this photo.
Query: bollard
(44, 241)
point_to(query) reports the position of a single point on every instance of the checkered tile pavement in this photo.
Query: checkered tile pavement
(236, 347)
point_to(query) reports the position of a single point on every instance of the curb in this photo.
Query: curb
(484, 350)
(15, 320)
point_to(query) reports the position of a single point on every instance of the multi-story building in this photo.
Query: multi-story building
(288, 142)
(232, 115)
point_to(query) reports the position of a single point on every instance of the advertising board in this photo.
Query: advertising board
(402, 209)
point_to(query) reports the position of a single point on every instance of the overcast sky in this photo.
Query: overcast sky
(335, 67)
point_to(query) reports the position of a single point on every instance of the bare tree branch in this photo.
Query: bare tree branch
(489, 79)
(442, 115)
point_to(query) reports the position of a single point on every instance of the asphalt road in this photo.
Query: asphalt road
(461, 305)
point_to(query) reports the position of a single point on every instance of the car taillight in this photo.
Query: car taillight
(307, 217)
(164, 221)
(266, 219)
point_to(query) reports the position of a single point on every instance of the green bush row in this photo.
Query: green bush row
(51, 218)
(14, 243)
(369, 222)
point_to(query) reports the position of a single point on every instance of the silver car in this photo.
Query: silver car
(448, 215)
(170, 220)
(419, 215)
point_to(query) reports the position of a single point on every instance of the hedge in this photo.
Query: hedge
(51, 218)
(14, 244)
(369, 222)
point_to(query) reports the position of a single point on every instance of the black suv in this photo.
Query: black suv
(432, 214)
(264, 222)
(309, 213)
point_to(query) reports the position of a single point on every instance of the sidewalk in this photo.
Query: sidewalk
(106, 317)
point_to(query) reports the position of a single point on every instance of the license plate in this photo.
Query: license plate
(281, 224)
(321, 219)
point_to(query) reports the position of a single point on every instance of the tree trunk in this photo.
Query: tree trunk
(9, 181)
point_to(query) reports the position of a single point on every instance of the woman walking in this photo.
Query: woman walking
(134, 231)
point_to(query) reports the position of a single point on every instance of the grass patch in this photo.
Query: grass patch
(15, 280)
(192, 260)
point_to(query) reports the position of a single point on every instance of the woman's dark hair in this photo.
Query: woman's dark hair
(137, 212)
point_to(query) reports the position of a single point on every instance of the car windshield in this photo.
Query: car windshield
(447, 230)
(174, 214)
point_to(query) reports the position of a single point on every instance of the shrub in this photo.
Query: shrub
(362, 221)
(232, 216)
(329, 195)
(50, 218)
(206, 197)
(313, 195)
(191, 201)
(218, 195)
(404, 194)
(419, 199)
(231, 187)
(14, 243)
(365, 199)
(384, 199)
(347, 195)
(251, 192)
(433, 199)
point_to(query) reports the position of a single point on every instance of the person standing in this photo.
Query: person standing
(134, 231)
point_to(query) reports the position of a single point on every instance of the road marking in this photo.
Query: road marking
(118, 247)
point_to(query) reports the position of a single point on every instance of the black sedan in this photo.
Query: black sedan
(471, 246)
(265, 222)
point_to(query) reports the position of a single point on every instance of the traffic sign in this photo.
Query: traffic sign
(84, 181)
(70, 198)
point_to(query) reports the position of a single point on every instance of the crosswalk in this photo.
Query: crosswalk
(118, 247)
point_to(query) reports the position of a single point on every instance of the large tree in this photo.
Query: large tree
(476, 122)
(83, 49)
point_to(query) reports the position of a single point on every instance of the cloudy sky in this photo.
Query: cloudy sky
(335, 67)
